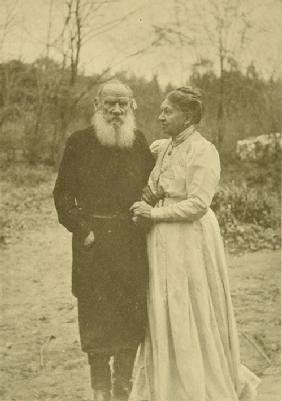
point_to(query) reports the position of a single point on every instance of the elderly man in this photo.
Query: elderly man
(103, 171)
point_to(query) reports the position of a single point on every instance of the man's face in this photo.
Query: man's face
(115, 102)
(172, 119)
(113, 120)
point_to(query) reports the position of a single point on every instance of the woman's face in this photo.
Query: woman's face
(172, 119)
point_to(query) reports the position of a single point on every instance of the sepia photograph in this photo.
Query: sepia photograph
(140, 200)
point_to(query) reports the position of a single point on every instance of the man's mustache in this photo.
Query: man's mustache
(117, 118)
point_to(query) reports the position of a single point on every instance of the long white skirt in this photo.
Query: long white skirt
(191, 350)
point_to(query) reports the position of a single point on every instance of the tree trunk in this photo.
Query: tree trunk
(220, 110)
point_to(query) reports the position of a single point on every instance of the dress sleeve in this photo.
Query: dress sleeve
(157, 146)
(69, 215)
(202, 177)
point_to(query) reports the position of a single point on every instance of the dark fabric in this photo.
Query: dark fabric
(110, 278)
(123, 366)
(100, 372)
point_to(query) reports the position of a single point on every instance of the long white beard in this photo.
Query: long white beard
(122, 136)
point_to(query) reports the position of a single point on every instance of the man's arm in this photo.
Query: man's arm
(149, 160)
(69, 214)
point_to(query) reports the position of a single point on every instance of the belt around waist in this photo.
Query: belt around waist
(169, 201)
(110, 216)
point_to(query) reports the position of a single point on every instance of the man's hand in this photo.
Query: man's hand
(141, 222)
(148, 196)
(89, 240)
(141, 209)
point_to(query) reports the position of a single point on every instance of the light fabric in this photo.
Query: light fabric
(191, 350)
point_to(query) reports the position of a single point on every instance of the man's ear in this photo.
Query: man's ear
(133, 104)
(96, 103)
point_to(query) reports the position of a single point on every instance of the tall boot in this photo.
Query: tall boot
(100, 376)
(100, 395)
(123, 366)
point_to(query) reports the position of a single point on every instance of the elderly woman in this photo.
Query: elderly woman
(191, 350)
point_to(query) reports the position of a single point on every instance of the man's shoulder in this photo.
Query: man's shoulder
(138, 133)
(140, 138)
(81, 137)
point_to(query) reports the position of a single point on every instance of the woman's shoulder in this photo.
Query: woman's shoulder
(158, 146)
(199, 144)
(202, 152)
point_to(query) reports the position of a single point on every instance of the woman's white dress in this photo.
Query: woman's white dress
(191, 350)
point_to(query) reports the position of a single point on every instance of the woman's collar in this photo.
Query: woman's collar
(178, 139)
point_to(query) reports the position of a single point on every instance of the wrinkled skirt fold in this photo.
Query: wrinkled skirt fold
(191, 351)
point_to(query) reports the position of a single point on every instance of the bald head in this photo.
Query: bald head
(115, 87)
(115, 100)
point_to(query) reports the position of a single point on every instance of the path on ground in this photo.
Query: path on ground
(40, 351)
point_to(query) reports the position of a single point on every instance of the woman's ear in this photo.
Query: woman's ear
(189, 119)
(187, 122)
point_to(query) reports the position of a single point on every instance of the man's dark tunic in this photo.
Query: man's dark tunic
(109, 279)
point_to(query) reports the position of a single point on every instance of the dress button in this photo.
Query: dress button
(109, 231)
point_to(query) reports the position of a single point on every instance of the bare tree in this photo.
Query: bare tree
(216, 30)
(58, 87)
(85, 20)
(8, 80)
(8, 21)
(56, 83)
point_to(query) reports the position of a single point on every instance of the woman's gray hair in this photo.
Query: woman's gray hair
(188, 100)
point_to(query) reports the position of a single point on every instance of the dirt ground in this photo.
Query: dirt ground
(40, 350)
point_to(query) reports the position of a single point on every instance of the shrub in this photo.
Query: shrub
(25, 175)
(260, 148)
(248, 216)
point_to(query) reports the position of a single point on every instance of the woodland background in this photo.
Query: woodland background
(53, 56)
(216, 45)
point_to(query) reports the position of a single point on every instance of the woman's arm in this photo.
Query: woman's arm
(202, 177)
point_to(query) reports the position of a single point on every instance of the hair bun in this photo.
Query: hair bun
(188, 99)
(188, 90)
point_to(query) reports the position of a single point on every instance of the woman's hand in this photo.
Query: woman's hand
(89, 240)
(141, 209)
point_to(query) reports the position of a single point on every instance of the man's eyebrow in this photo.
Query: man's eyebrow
(116, 98)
